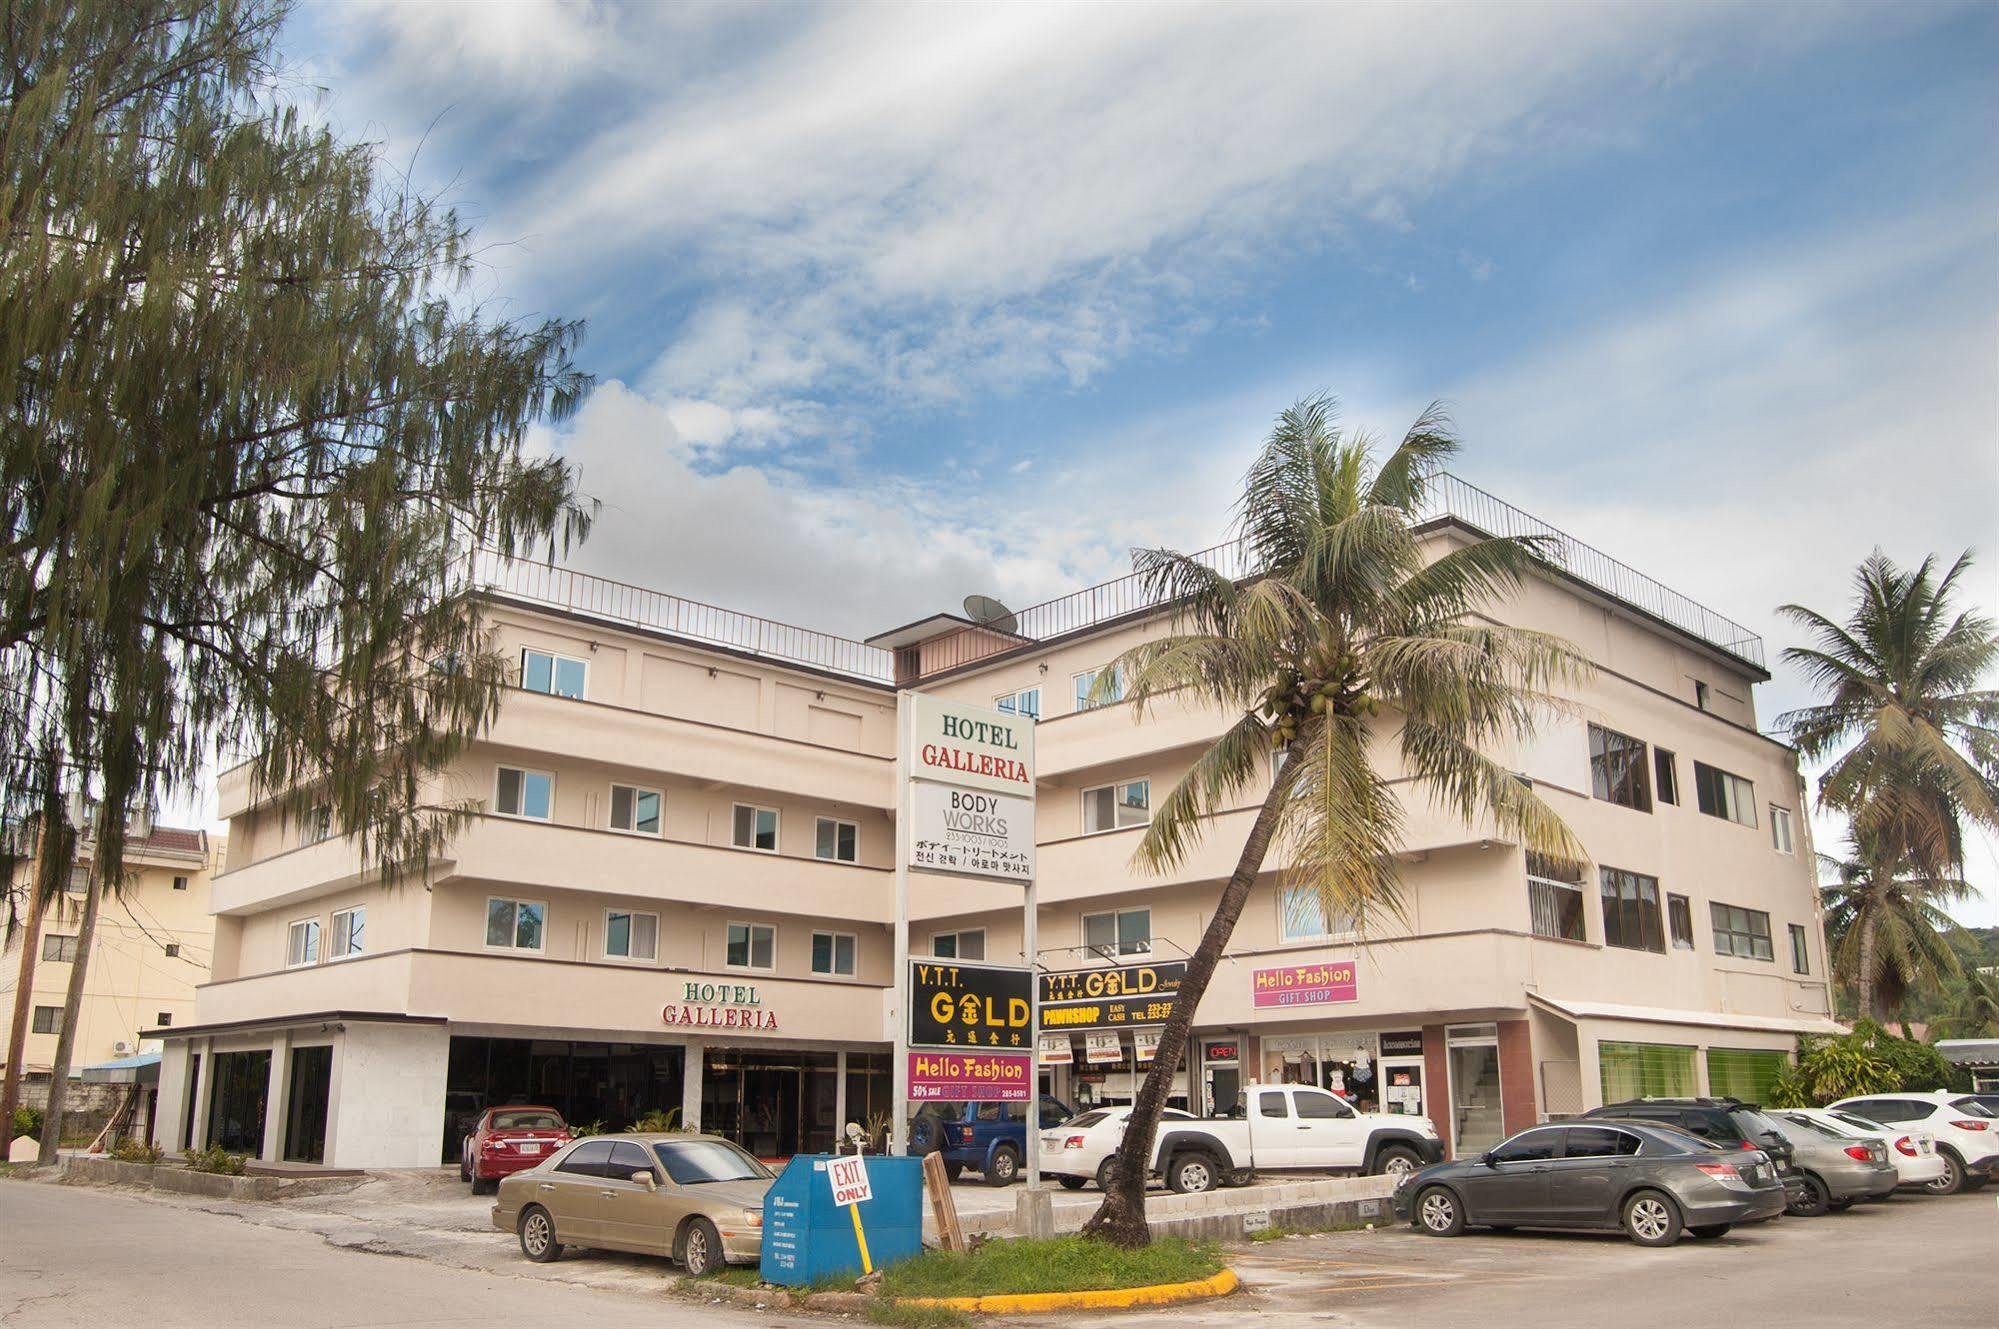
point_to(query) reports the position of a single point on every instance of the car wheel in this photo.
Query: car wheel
(1003, 1168)
(1813, 1203)
(1709, 1231)
(484, 1185)
(1952, 1180)
(464, 1166)
(1072, 1183)
(701, 1249)
(1438, 1213)
(1651, 1219)
(1396, 1162)
(537, 1233)
(953, 1171)
(1104, 1172)
(1192, 1174)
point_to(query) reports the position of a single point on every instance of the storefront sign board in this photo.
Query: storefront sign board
(1221, 1054)
(971, 832)
(1111, 997)
(969, 1077)
(1057, 1050)
(1103, 1048)
(1408, 1044)
(972, 747)
(953, 1005)
(1304, 985)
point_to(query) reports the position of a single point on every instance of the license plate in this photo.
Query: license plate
(530, 1146)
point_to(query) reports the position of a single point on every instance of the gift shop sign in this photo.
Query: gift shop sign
(972, 832)
(969, 1077)
(1304, 985)
(971, 747)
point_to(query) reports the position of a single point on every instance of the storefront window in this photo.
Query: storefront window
(1477, 1123)
(1645, 1070)
(1345, 1064)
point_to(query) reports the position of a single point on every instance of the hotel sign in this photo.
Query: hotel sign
(1111, 997)
(1304, 985)
(955, 1005)
(969, 1077)
(973, 832)
(973, 747)
(719, 1006)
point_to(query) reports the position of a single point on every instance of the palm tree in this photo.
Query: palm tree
(1887, 928)
(1347, 646)
(1971, 1007)
(1920, 736)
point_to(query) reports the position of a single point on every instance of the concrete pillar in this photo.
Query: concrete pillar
(690, 1085)
(276, 1096)
(204, 1094)
(840, 1100)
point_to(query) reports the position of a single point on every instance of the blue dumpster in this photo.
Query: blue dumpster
(807, 1237)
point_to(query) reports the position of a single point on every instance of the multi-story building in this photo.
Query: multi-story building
(149, 953)
(679, 889)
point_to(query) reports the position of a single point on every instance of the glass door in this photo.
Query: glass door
(1477, 1123)
(305, 1117)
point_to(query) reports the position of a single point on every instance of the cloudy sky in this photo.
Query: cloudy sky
(888, 305)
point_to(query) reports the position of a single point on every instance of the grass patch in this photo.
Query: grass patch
(1313, 1229)
(1062, 1264)
(916, 1317)
(736, 1275)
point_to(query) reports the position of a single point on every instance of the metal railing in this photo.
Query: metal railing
(619, 602)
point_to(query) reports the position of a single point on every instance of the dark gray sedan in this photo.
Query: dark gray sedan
(1652, 1181)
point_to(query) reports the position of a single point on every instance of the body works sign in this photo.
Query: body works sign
(971, 747)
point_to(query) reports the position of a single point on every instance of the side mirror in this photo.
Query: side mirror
(1488, 1159)
(644, 1177)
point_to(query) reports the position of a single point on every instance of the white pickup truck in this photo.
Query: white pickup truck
(1291, 1128)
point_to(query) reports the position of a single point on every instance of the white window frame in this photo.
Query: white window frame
(611, 805)
(633, 914)
(1780, 830)
(836, 823)
(853, 953)
(1009, 702)
(314, 933)
(1738, 795)
(524, 772)
(58, 938)
(1117, 946)
(960, 933)
(1286, 937)
(1117, 805)
(180, 883)
(1077, 693)
(510, 948)
(317, 827)
(359, 911)
(554, 658)
(751, 941)
(776, 828)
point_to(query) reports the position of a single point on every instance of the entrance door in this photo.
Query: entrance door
(1473, 1059)
(305, 1115)
(237, 1102)
(770, 1115)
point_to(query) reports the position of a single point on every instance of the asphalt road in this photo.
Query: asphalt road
(76, 1256)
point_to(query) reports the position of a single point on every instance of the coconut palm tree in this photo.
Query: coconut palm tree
(1355, 656)
(1971, 1007)
(1888, 928)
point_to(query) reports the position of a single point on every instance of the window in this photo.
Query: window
(557, 675)
(180, 883)
(163, 1019)
(529, 794)
(1533, 1147)
(350, 933)
(630, 936)
(627, 1158)
(635, 810)
(833, 953)
(1780, 829)
(172, 949)
(752, 946)
(1617, 769)
(967, 945)
(1025, 702)
(1741, 932)
(1599, 1142)
(318, 824)
(79, 879)
(1645, 1070)
(1301, 916)
(1126, 932)
(48, 1019)
(589, 1159)
(1801, 955)
(515, 925)
(58, 948)
(1322, 1107)
(302, 943)
(1665, 776)
(1749, 1074)
(1631, 911)
(1117, 805)
(1086, 683)
(1271, 1105)
(1700, 694)
(1680, 919)
(838, 840)
(1555, 897)
(755, 828)
(1720, 794)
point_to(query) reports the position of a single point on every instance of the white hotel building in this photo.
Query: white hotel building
(680, 891)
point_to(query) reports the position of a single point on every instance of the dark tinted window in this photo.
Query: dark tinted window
(1089, 1119)
(1890, 1109)
(1666, 776)
(1599, 1142)
(1534, 1146)
(1975, 1107)
(1322, 1107)
(525, 1121)
(587, 1159)
(1270, 1105)
(627, 1158)
(691, 1162)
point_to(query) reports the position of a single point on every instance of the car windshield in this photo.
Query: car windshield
(1753, 1124)
(1858, 1123)
(1088, 1119)
(1683, 1139)
(1804, 1128)
(692, 1162)
(1974, 1107)
(526, 1121)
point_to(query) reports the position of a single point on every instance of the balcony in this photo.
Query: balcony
(296, 874)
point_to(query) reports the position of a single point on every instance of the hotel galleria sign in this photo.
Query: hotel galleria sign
(719, 1006)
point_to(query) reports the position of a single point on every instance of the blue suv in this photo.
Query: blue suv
(988, 1138)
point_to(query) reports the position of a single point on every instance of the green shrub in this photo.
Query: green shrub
(28, 1121)
(579, 1129)
(1918, 1067)
(215, 1159)
(659, 1122)
(1059, 1264)
(137, 1151)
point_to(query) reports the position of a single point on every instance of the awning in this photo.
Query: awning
(142, 1069)
(1970, 1051)
(1765, 1024)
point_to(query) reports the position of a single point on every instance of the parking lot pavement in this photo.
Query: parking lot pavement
(1914, 1260)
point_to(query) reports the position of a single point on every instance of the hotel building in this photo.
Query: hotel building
(679, 890)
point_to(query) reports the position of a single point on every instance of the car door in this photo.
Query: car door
(1585, 1181)
(569, 1192)
(1273, 1134)
(623, 1221)
(1510, 1184)
(1329, 1132)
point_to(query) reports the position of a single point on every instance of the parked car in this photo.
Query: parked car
(1728, 1123)
(1291, 1128)
(1653, 1181)
(1914, 1153)
(988, 1138)
(1967, 1135)
(697, 1199)
(1079, 1151)
(505, 1140)
(1839, 1170)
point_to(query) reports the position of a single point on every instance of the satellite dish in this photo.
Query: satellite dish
(990, 612)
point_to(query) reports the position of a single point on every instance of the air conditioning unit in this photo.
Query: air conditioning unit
(121, 1047)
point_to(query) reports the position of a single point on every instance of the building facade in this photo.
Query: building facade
(678, 891)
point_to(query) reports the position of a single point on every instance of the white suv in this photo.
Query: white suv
(1967, 1134)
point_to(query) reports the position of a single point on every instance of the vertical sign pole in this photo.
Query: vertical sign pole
(899, 1114)
(1031, 944)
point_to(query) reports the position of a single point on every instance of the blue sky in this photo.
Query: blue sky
(893, 304)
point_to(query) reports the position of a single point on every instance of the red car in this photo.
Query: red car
(506, 1140)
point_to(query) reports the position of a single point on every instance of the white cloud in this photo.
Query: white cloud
(537, 39)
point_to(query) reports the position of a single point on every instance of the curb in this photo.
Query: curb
(1028, 1303)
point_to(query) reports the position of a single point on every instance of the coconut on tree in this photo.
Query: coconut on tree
(1353, 656)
